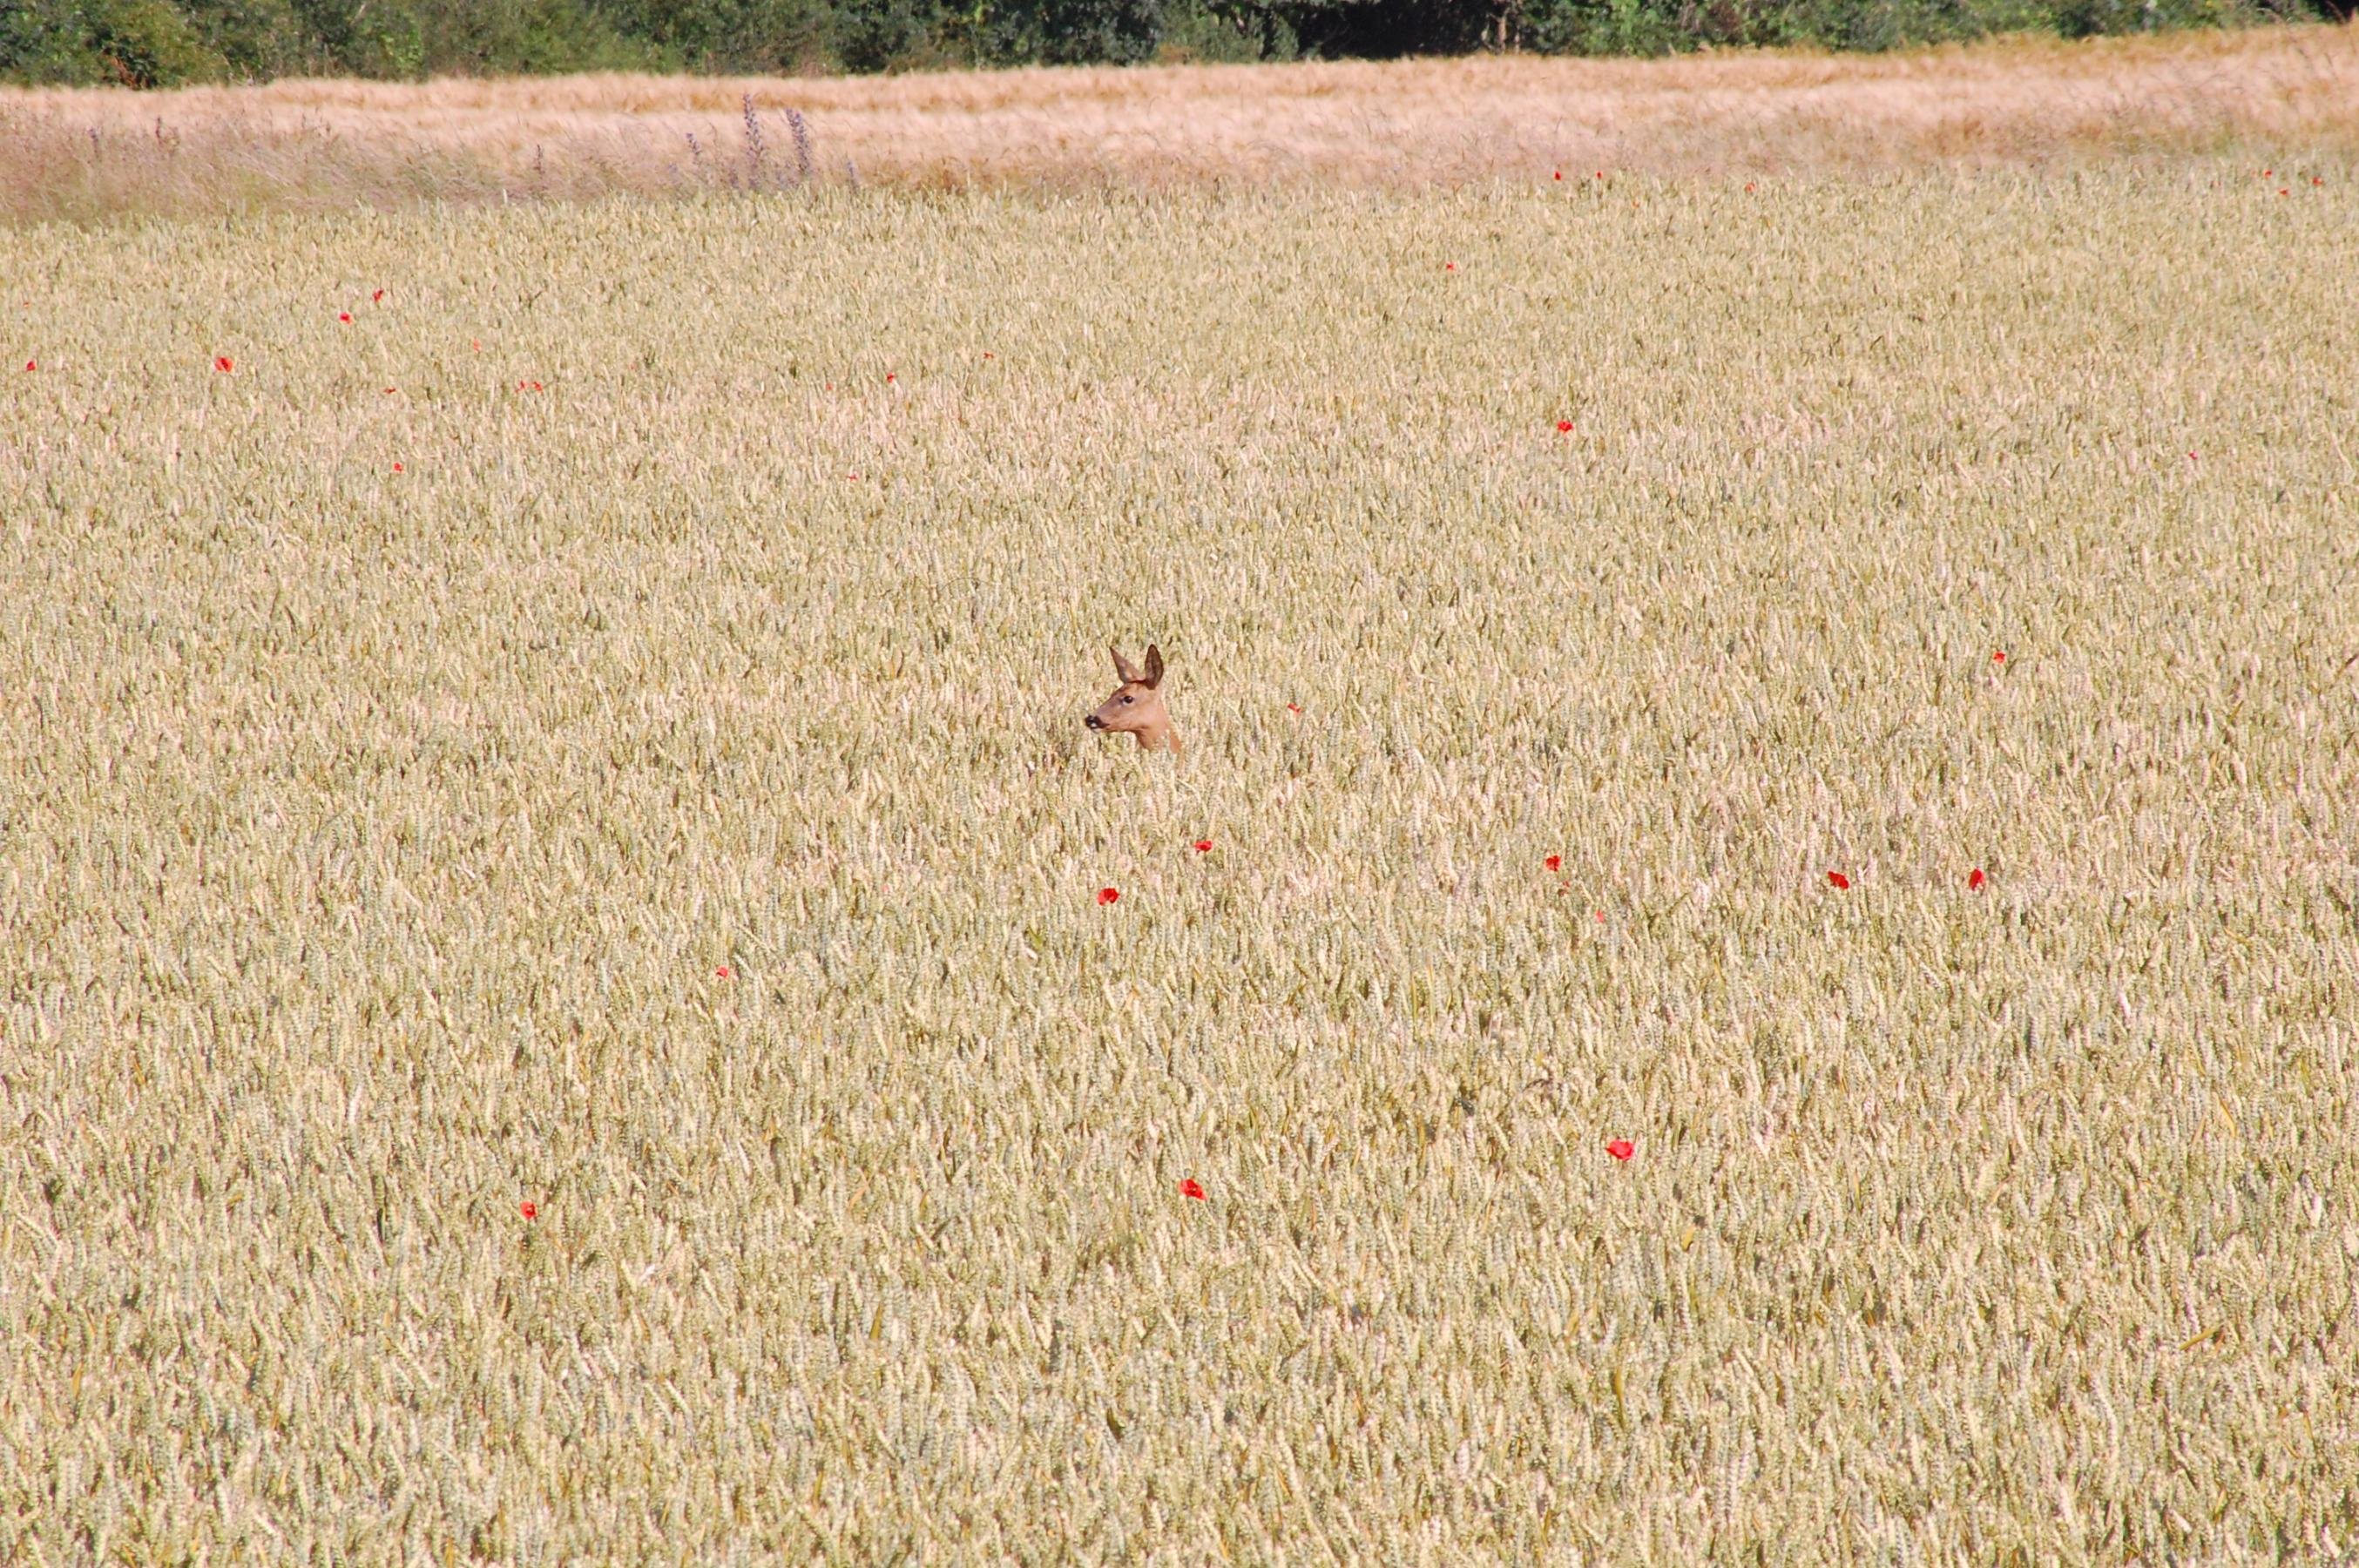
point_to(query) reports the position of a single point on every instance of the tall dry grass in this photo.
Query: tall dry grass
(600, 729)
(324, 145)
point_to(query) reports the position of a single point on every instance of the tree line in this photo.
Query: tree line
(161, 43)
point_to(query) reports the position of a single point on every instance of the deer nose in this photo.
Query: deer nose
(1094, 721)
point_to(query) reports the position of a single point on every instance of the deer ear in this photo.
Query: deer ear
(1125, 667)
(1154, 664)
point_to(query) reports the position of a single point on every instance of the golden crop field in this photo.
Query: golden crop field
(558, 1001)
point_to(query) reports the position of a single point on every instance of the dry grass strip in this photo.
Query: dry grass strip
(328, 144)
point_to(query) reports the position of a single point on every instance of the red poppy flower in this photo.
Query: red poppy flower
(475, 343)
(397, 468)
(528, 1209)
(1564, 427)
(888, 379)
(2282, 192)
(1620, 1148)
(2267, 172)
(343, 315)
(721, 971)
(1600, 917)
(1999, 657)
(1204, 846)
(1294, 707)
(1974, 878)
(377, 298)
(1449, 266)
(1554, 862)
(988, 354)
(32, 364)
(221, 363)
(1192, 1188)
(2318, 179)
(1108, 895)
(1837, 879)
(1748, 188)
(1601, 174)
(1559, 174)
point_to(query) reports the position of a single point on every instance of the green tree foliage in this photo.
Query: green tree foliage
(255, 40)
(1072, 32)
(133, 43)
(729, 36)
(153, 43)
(879, 34)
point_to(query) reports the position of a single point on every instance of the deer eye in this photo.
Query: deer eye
(1126, 701)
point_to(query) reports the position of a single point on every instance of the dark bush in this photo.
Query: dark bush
(714, 37)
(152, 43)
(130, 43)
(1074, 32)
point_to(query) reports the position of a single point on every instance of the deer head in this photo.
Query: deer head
(1136, 706)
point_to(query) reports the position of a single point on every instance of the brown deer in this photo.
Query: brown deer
(1136, 706)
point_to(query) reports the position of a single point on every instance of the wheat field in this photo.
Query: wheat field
(559, 1004)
